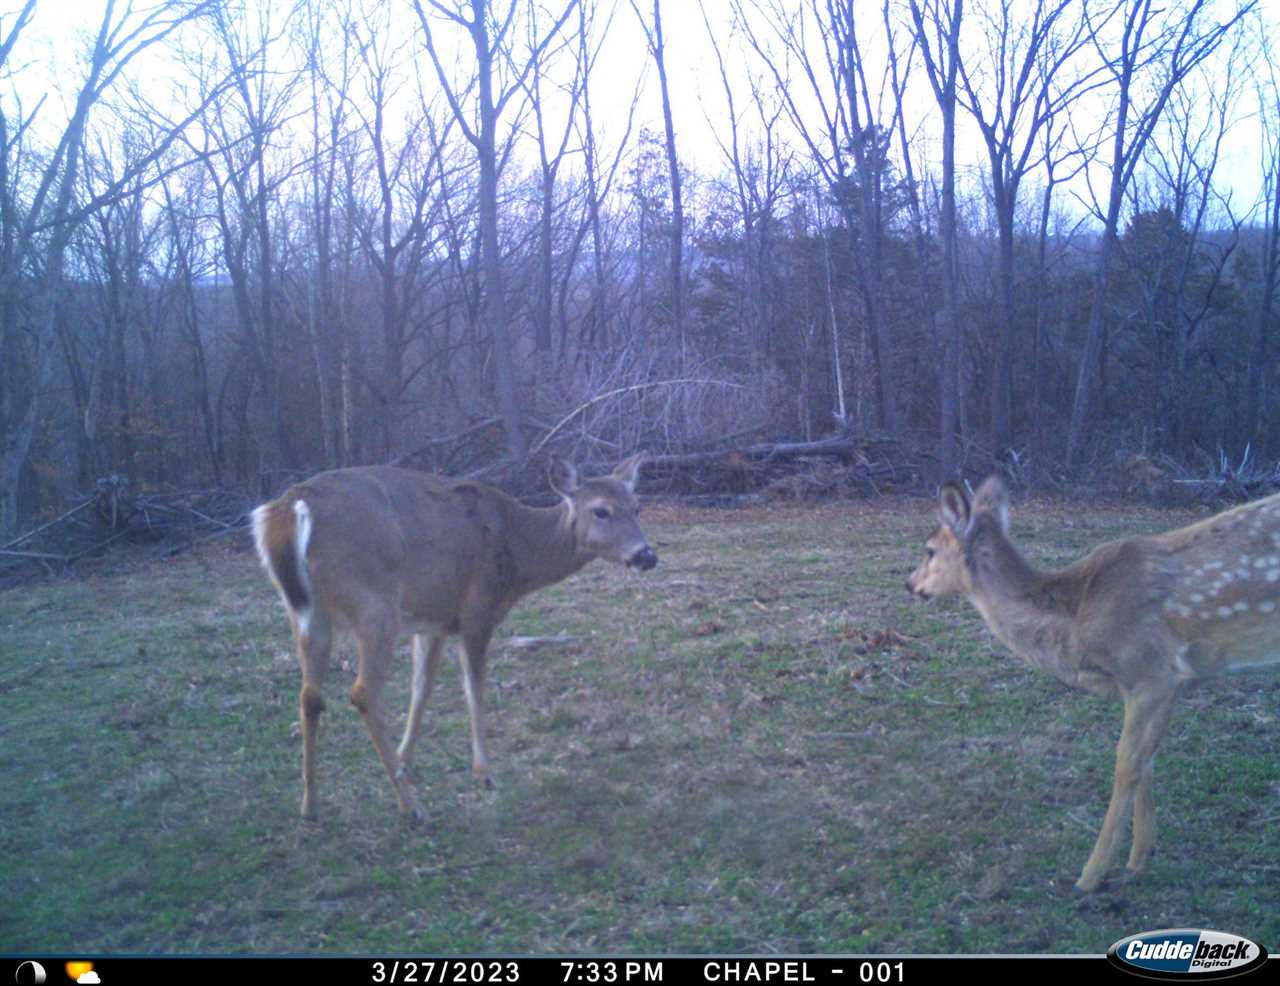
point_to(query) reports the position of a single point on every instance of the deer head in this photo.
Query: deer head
(604, 513)
(969, 544)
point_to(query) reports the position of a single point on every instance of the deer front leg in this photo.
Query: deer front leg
(426, 662)
(472, 656)
(1146, 714)
(1144, 806)
(1144, 822)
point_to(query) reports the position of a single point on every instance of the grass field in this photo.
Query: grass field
(762, 745)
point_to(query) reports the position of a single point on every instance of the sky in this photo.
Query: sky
(699, 109)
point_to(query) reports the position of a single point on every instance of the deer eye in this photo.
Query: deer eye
(601, 512)
(929, 553)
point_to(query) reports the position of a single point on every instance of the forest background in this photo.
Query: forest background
(243, 242)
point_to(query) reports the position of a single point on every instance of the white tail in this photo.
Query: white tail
(1135, 619)
(381, 549)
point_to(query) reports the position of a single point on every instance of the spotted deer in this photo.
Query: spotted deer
(380, 549)
(1134, 619)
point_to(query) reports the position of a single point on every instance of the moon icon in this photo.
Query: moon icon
(29, 972)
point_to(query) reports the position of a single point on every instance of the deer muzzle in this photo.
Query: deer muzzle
(644, 559)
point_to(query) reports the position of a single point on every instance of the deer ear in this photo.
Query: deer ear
(953, 508)
(628, 471)
(992, 498)
(563, 477)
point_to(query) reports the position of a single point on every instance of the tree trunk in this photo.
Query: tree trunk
(1090, 357)
(1002, 372)
(677, 202)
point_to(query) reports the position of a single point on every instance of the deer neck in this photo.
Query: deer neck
(1031, 612)
(544, 549)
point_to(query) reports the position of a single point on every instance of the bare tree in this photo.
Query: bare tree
(900, 64)
(490, 32)
(551, 155)
(599, 177)
(115, 255)
(939, 42)
(188, 264)
(330, 76)
(41, 213)
(1257, 403)
(1156, 50)
(1178, 304)
(1013, 93)
(760, 164)
(1061, 161)
(847, 143)
(248, 169)
(657, 49)
(394, 226)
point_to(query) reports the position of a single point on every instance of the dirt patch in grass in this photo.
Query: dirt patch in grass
(762, 745)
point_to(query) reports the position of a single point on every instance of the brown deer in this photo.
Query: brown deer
(1134, 619)
(381, 549)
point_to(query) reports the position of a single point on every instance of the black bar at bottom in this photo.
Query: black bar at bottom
(409, 970)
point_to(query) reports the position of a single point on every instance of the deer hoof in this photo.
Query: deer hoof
(1080, 891)
(1113, 880)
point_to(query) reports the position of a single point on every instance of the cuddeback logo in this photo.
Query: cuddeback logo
(1186, 954)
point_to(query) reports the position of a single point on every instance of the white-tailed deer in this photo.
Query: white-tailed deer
(380, 549)
(1134, 619)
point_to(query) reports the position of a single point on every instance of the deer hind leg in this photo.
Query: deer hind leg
(313, 637)
(1146, 715)
(472, 658)
(375, 641)
(426, 662)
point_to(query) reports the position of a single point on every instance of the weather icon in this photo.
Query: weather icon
(29, 972)
(82, 972)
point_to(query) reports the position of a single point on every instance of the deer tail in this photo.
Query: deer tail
(281, 541)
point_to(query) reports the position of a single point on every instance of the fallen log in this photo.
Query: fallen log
(839, 446)
(840, 460)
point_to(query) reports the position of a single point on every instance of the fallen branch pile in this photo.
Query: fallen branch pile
(114, 518)
(783, 471)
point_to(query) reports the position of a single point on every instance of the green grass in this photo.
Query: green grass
(762, 745)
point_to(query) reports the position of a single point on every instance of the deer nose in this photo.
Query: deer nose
(644, 559)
